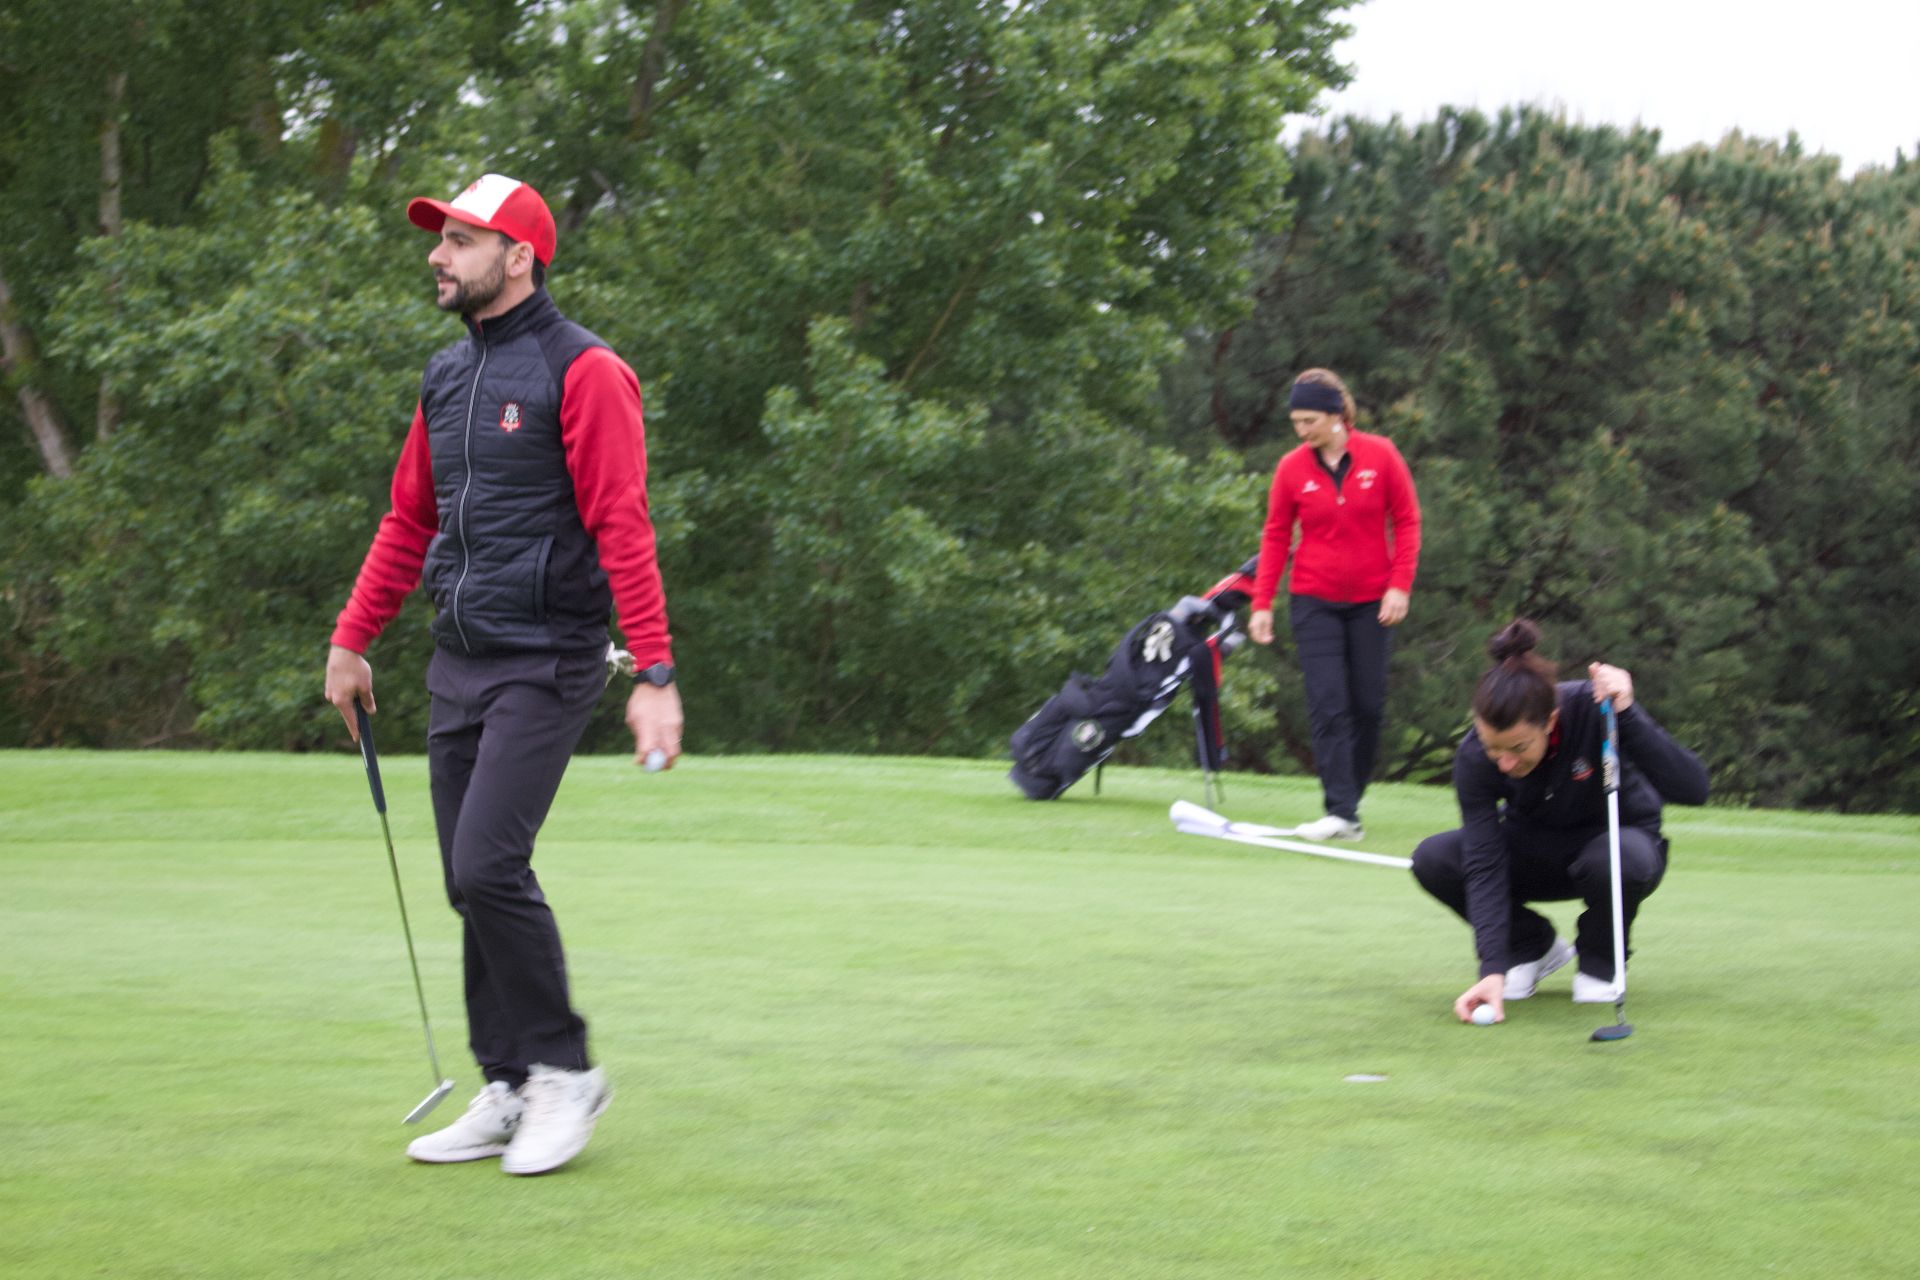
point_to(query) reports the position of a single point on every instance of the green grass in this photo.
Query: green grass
(886, 1019)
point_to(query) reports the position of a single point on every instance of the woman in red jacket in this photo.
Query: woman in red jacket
(1359, 519)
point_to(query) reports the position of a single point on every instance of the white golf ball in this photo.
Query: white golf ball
(1483, 1015)
(656, 760)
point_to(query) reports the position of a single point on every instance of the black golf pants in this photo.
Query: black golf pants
(1343, 651)
(499, 737)
(1550, 866)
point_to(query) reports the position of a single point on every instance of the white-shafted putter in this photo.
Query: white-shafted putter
(1610, 777)
(1193, 820)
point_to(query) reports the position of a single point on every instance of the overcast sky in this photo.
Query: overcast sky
(1843, 74)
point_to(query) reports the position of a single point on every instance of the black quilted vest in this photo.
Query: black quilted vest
(512, 568)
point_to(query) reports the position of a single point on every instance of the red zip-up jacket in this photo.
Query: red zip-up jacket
(1343, 554)
(604, 436)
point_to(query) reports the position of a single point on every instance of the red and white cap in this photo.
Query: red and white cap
(498, 203)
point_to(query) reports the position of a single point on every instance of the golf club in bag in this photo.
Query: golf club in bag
(1610, 778)
(444, 1085)
(1079, 727)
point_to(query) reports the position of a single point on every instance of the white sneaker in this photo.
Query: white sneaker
(561, 1109)
(1331, 827)
(1588, 989)
(481, 1133)
(1523, 978)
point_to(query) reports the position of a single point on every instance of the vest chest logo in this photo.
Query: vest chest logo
(1367, 478)
(510, 416)
(1582, 769)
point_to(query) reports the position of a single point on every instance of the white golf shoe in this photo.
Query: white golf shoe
(1523, 978)
(1588, 989)
(1331, 827)
(562, 1107)
(480, 1134)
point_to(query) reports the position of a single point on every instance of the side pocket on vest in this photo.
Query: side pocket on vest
(540, 560)
(433, 571)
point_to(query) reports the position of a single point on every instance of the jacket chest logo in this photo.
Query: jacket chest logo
(1582, 769)
(1311, 486)
(510, 416)
(1367, 477)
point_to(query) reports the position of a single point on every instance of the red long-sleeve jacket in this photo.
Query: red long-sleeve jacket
(1357, 538)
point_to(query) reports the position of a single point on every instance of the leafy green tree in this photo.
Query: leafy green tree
(114, 109)
(1010, 211)
(932, 577)
(956, 238)
(178, 586)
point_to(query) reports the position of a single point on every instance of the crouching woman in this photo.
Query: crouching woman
(1533, 814)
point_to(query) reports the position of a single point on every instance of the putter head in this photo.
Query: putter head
(433, 1099)
(1618, 1031)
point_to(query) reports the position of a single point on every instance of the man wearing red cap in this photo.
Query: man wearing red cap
(520, 501)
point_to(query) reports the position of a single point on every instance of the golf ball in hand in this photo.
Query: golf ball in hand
(656, 760)
(1483, 1015)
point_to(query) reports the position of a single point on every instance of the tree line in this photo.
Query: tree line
(964, 331)
(1667, 405)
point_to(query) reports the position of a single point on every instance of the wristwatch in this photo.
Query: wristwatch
(659, 675)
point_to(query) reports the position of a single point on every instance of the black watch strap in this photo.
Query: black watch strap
(659, 675)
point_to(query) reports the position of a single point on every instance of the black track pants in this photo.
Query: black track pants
(1551, 866)
(498, 740)
(1342, 650)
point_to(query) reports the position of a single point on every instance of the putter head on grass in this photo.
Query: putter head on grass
(432, 1100)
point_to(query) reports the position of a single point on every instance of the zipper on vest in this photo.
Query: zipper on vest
(466, 487)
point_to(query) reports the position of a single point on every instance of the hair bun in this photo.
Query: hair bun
(1518, 637)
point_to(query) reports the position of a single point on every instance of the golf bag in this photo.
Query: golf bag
(1079, 727)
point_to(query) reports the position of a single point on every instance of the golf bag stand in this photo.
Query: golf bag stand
(1079, 727)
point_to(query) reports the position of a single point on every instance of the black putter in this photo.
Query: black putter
(444, 1085)
(1610, 776)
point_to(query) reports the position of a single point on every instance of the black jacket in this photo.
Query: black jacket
(1564, 793)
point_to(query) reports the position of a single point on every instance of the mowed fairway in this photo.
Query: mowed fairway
(887, 1019)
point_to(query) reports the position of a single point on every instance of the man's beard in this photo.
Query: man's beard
(469, 296)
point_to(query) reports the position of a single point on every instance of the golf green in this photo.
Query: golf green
(884, 1018)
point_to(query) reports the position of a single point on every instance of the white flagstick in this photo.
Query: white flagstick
(1187, 812)
(1205, 821)
(1191, 819)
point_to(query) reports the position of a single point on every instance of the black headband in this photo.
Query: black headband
(1317, 396)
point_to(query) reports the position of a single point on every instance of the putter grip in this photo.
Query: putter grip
(370, 758)
(1609, 748)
